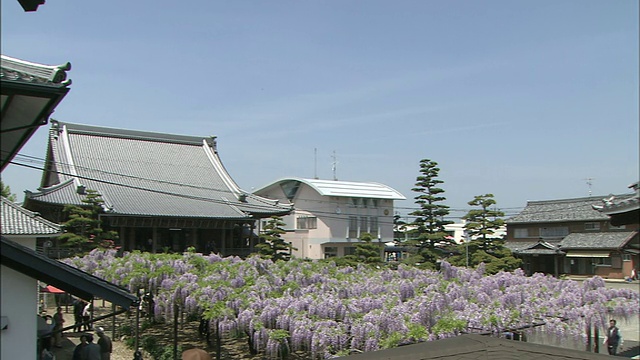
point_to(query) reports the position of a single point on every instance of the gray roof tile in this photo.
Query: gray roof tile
(565, 210)
(601, 240)
(147, 174)
(17, 220)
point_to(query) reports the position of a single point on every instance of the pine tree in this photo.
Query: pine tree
(273, 246)
(484, 246)
(428, 226)
(84, 229)
(483, 223)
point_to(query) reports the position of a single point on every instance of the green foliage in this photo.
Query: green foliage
(273, 246)
(449, 325)
(83, 229)
(6, 192)
(391, 341)
(428, 227)
(483, 223)
(366, 251)
(485, 247)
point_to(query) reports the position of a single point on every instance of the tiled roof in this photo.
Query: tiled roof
(580, 209)
(370, 190)
(600, 240)
(615, 205)
(13, 69)
(477, 347)
(146, 174)
(17, 220)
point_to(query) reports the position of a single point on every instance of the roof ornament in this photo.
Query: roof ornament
(81, 190)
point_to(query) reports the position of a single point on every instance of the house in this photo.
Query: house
(569, 236)
(161, 192)
(329, 216)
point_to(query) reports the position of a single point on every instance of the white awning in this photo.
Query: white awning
(588, 254)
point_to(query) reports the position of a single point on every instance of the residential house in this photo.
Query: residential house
(329, 216)
(569, 236)
(161, 192)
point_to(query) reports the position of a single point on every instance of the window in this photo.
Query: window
(353, 227)
(592, 226)
(364, 227)
(307, 222)
(554, 232)
(602, 261)
(373, 226)
(626, 257)
(521, 233)
(330, 251)
(349, 250)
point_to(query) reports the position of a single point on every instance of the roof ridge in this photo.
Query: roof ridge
(72, 128)
(55, 73)
(586, 198)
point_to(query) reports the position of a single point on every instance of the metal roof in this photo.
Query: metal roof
(17, 220)
(564, 210)
(145, 174)
(371, 190)
(62, 276)
(598, 240)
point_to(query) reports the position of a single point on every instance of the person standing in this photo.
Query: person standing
(86, 316)
(91, 351)
(78, 351)
(58, 321)
(105, 344)
(614, 338)
(78, 306)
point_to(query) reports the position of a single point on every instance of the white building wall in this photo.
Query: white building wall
(332, 214)
(19, 304)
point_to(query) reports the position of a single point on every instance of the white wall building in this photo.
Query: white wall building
(329, 215)
(19, 295)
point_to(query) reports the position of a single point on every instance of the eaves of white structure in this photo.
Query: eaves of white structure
(370, 190)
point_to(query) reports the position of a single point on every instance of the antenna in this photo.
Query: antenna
(334, 165)
(315, 163)
(589, 183)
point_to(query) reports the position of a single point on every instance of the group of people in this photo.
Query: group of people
(82, 315)
(88, 350)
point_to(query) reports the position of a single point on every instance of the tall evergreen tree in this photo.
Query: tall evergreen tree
(483, 245)
(428, 226)
(84, 229)
(483, 223)
(273, 246)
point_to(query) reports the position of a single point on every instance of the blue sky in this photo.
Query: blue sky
(522, 99)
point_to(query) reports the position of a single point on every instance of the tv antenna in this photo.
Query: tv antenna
(334, 166)
(589, 184)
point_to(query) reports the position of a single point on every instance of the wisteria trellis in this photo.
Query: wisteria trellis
(325, 310)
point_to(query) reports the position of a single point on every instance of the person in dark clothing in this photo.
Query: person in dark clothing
(91, 351)
(613, 338)
(77, 352)
(105, 344)
(78, 306)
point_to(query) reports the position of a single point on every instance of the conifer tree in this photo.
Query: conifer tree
(428, 226)
(84, 229)
(274, 247)
(483, 223)
(483, 246)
